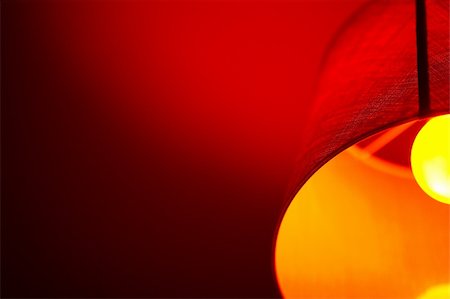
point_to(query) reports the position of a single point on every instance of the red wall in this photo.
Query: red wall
(147, 146)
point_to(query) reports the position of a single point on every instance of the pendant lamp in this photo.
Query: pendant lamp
(367, 213)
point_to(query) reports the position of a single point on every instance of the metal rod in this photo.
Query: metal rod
(422, 57)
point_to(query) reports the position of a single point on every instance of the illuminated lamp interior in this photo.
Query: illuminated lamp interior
(437, 292)
(361, 227)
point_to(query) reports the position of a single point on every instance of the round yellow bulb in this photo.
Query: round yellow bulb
(430, 158)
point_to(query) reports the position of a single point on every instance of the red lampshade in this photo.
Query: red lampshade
(369, 79)
(360, 226)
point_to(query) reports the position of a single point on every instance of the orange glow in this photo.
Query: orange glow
(367, 155)
(354, 231)
(430, 158)
(439, 292)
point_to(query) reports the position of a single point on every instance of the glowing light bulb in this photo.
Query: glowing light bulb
(438, 292)
(430, 158)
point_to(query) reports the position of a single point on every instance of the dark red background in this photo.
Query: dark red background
(147, 146)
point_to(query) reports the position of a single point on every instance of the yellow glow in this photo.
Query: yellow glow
(356, 231)
(439, 292)
(430, 158)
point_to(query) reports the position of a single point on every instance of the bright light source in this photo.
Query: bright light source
(430, 158)
(438, 292)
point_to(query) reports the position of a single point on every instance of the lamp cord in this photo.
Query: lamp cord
(422, 58)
